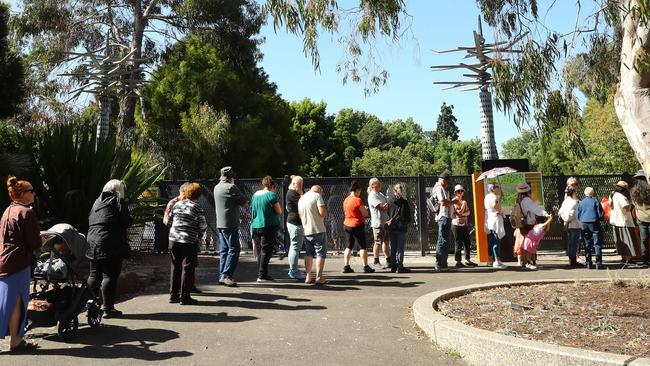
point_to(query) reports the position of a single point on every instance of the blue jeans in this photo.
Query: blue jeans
(397, 242)
(493, 244)
(229, 250)
(296, 235)
(645, 238)
(572, 242)
(592, 236)
(442, 245)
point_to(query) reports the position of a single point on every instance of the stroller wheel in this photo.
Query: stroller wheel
(67, 328)
(94, 314)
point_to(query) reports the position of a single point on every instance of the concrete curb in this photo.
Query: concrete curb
(482, 347)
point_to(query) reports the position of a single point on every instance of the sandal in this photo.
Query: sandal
(322, 281)
(24, 346)
(309, 281)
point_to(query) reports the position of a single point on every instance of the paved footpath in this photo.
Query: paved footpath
(356, 319)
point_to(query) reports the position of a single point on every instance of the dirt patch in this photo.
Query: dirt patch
(609, 317)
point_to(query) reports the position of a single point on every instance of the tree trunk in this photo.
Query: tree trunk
(632, 99)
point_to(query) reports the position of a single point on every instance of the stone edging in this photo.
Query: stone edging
(482, 347)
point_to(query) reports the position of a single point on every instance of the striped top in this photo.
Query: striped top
(187, 222)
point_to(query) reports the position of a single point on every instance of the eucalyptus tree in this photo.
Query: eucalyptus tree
(616, 34)
(12, 72)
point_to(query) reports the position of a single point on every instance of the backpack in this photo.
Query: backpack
(517, 220)
(433, 205)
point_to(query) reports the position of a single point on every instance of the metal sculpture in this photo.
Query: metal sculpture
(104, 74)
(482, 81)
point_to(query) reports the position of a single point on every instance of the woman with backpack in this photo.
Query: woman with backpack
(399, 213)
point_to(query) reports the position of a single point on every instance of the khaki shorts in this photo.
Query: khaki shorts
(379, 235)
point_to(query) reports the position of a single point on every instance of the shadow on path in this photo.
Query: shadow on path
(221, 317)
(109, 342)
(259, 305)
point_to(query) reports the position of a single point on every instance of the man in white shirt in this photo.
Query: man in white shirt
(378, 216)
(312, 211)
(443, 219)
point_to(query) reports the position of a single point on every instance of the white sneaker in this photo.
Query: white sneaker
(499, 265)
(532, 267)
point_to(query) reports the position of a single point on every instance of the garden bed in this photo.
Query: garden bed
(609, 316)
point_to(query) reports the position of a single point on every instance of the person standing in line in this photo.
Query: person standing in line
(572, 182)
(460, 228)
(589, 213)
(266, 209)
(530, 211)
(354, 225)
(19, 237)
(494, 225)
(188, 225)
(312, 210)
(108, 243)
(443, 219)
(400, 212)
(640, 194)
(622, 221)
(172, 202)
(228, 199)
(294, 227)
(378, 205)
(571, 224)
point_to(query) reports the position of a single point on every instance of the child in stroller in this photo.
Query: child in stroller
(58, 295)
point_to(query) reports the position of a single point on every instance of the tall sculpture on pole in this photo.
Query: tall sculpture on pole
(482, 80)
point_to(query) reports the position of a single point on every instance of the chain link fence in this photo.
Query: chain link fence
(421, 235)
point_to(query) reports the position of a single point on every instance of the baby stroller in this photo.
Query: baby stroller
(59, 295)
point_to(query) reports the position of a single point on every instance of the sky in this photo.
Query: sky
(434, 25)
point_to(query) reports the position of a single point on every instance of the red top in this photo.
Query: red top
(19, 237)
(353, 215)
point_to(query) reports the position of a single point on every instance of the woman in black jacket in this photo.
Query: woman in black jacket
(399, 214)
(108, 244)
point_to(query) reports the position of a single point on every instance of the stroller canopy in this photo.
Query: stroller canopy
(74, 239)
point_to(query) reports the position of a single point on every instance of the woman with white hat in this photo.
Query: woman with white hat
(621, 219)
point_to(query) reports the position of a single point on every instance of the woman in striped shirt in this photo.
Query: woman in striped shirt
(187, 228)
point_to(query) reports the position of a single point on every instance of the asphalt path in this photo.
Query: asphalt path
(356, 319)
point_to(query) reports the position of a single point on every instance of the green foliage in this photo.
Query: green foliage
(395, 161)
(446, 125)
(204, 113)
(12, 73)
(524, 146)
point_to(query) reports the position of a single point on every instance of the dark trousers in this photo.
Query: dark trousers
(592, 237)
(265, 239)
(461, 236)
(644, 227)
(183, 261)
(109, 271)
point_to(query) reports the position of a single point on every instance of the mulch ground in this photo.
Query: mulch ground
(609, 317)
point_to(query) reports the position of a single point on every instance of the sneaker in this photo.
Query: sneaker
(599, 266)
(196, 291)
(589, 265)
(367, 269)
(531, 267)
(221, 280)
(499, 265)
(377, 265)
(348, 269)
(189, 301)
(459, 265)
(393, 269)
(437, 268)
(229, 282)
(469, 263)
(403, 270)
(112, 313)
(296, 276)
(174, 300)
(265, 278)
(387, 265)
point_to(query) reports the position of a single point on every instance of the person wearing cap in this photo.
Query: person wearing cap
(378, 205)
(621, 219)
(460, 228)
(589, 213)
(228, 198)
(640, 194)
(494, 224)
(443, 219)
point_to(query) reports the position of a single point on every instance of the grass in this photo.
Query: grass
(452, 353)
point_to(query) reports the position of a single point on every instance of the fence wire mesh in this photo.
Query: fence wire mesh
(421, 235)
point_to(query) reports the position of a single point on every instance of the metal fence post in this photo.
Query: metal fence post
(422, 206)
